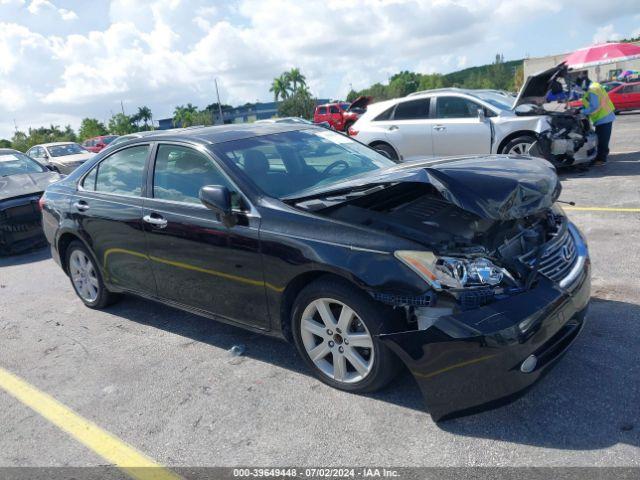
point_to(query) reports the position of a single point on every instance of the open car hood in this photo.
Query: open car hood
(494, 187)
(361, 102)
(536, 86)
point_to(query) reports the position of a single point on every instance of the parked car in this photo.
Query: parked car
(22, 181)
(96, 144)
(341, 115)
(625, 96)
(305, 234)
(64, 157)
(455, 121)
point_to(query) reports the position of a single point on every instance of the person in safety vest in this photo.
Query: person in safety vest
(600, 110)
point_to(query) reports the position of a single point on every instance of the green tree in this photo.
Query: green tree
(91, 127)
(4, 143)
(299, 104)
(296, 79)
(144, 115)
(183, 115)
(280, 87)
(121, 124)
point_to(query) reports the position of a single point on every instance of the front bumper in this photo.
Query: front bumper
(20, 225)
(472, 361)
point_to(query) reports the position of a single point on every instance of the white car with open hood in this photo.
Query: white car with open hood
(453, 121)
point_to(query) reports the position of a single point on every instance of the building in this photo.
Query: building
(247, 113)
(601, 73)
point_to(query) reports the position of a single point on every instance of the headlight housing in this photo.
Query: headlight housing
(451, 272)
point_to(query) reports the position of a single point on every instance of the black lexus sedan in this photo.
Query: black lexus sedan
(463, 269)
(22, 181)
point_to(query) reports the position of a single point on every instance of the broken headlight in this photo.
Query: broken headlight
(451, 272)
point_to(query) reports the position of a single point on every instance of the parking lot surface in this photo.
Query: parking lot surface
(164, 381)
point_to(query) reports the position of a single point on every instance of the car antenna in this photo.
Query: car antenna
(573, 204)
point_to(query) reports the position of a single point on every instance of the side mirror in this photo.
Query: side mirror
(481, 115)
(218, 199)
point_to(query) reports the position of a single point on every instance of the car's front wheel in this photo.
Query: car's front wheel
(85, 277)
(335, 327)
(519, 145)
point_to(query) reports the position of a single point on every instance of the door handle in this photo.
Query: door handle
(156, 221)
(81, 205)
(439, 128)
(393, 127)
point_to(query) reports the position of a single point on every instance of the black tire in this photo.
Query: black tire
(387, 150)
(104, 297)
(518, 141)
(385, 364)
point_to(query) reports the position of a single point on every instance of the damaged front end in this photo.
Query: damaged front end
(506, 275)
(20, 224)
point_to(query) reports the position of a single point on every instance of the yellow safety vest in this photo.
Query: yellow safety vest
(605, 105)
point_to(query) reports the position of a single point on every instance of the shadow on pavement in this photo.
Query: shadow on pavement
(24, 258)
(590, 400)
(618, 165)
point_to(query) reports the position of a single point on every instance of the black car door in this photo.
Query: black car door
(108, 209)
(197, 260)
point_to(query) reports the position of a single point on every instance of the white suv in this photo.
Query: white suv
(447, 122)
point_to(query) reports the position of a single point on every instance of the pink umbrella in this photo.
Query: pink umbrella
(602, 54)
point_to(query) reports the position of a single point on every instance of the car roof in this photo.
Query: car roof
(4, 151)
(228, 133)
(53, 144)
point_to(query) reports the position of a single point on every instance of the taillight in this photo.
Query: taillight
(352, 132)
(41, 203)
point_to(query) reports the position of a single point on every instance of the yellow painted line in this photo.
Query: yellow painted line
(602, 209)
(457, 365)
(186, 266)
(134, 463)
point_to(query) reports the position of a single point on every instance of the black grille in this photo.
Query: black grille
(558, 256)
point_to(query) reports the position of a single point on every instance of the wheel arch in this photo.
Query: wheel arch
(62, 244)
(516, 134)
(375, 143)
(293, 289)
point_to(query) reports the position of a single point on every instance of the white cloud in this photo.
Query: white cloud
(36, 7)
(605, 33)
(67, 14)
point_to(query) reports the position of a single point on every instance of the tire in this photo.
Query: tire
(367, 367)
(518, 143)
(387, 150)
(86, 278)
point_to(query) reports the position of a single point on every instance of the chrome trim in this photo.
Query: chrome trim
(350, 247)
(583, 254)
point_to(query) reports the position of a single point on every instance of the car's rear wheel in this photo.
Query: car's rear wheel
(519, 145)
(335, 327)
(85, 277)
(387, 151)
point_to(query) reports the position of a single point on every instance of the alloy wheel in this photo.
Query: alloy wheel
(520, 148)
(337, 341)
(83, 276)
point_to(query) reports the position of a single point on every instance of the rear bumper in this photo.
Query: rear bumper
(473, 360)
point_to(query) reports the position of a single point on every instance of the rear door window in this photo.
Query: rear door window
(122, 173)
(412, 110)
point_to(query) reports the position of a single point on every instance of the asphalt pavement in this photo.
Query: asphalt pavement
(164, 381)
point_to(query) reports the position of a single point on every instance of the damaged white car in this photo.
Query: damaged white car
(455, 121)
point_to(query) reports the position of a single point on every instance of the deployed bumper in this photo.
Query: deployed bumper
(475, 360)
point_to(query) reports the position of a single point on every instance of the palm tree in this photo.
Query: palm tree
(144, 114)
(183, 115)
(280, 87)
(296, 78)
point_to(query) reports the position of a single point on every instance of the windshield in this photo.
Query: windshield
(502, 102)
(66, 149)
(284, 164)
(16, 163)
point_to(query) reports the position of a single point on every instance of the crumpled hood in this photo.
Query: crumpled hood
(497, 187)
(26, 184)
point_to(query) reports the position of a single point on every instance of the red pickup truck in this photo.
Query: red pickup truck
(341, 115)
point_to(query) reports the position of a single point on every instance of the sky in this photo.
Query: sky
(63, 60)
